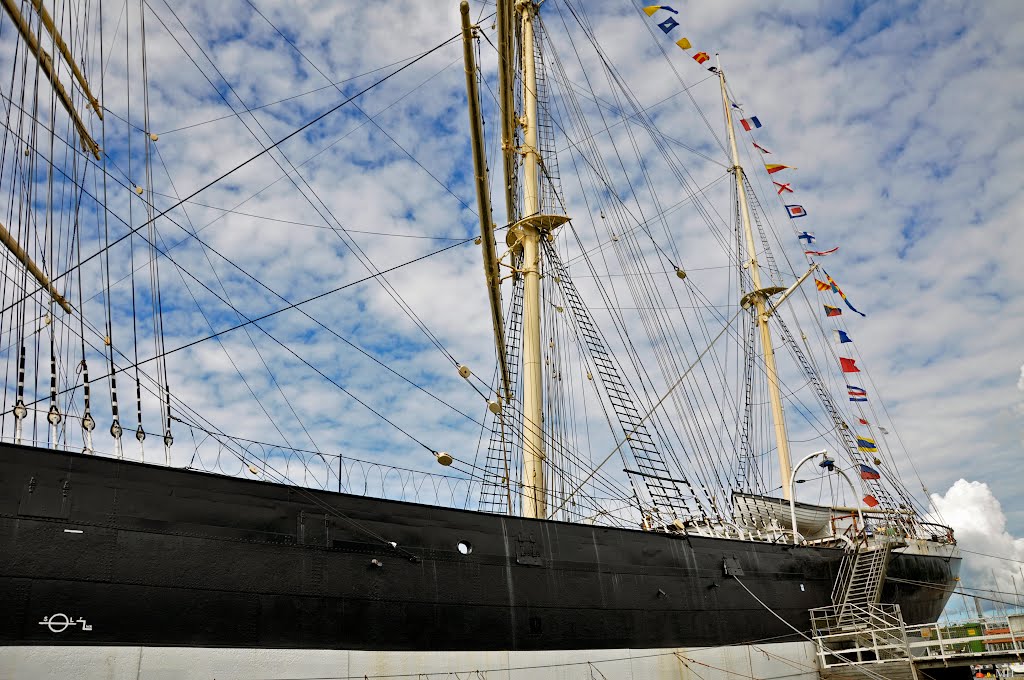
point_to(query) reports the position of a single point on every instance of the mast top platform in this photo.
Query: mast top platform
(542, 223)
(749, 300)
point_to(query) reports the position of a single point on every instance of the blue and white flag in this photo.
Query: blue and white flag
(841, 337)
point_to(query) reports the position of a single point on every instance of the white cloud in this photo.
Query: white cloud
(992, 555)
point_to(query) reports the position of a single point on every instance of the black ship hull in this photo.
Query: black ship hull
(98, 551)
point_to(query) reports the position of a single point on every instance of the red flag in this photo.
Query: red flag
(870, 501)
(849, 366)
(862, 421)
(701, 57)
(783, 186)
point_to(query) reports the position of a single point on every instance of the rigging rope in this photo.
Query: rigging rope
(114, 370)
(656, 405)
(249, 160)
(319, 206)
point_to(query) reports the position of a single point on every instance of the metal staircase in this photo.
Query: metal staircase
(862, 574)
(857, 629)
(855, 636)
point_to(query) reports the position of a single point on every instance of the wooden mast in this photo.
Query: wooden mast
(38, 274)
(758, 298)
(524, 237)
(506, 83)
(483, 198)
(46, 63)
(527, 227)
(62, 47)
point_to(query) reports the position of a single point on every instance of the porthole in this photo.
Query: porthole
(465, 547)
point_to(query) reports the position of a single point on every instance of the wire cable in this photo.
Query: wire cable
(236, 168)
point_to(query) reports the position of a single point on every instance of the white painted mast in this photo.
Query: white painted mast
(528, 233)
(758, 298)
(524, 237)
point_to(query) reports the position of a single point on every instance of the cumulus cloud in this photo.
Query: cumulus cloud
(977, 517)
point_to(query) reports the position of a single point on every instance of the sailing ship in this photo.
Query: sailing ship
(104, 542)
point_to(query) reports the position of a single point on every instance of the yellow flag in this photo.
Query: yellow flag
(651, 10)
(684, 44)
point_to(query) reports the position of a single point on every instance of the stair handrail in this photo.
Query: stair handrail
(846, 568)
(865, 568)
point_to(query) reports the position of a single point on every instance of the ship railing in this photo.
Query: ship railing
(1000, 636)
(760, 534)
(843, 618)
(722, 528)
(850, 527)
(910, 528)
(843, 542)
(845, 570)
(902, 524)
(294, 467)
(850, 633)
(897, 534)
(932, 531)
(852, 535)
(718, 528)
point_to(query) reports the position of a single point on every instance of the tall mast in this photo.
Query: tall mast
(506, 84)
(492, 273)
(529, 226)
(528, 234)
(759, 299)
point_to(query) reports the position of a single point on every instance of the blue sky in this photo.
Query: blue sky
(901, 117)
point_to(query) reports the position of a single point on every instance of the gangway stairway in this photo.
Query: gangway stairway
(862, 575)
(857, 629)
